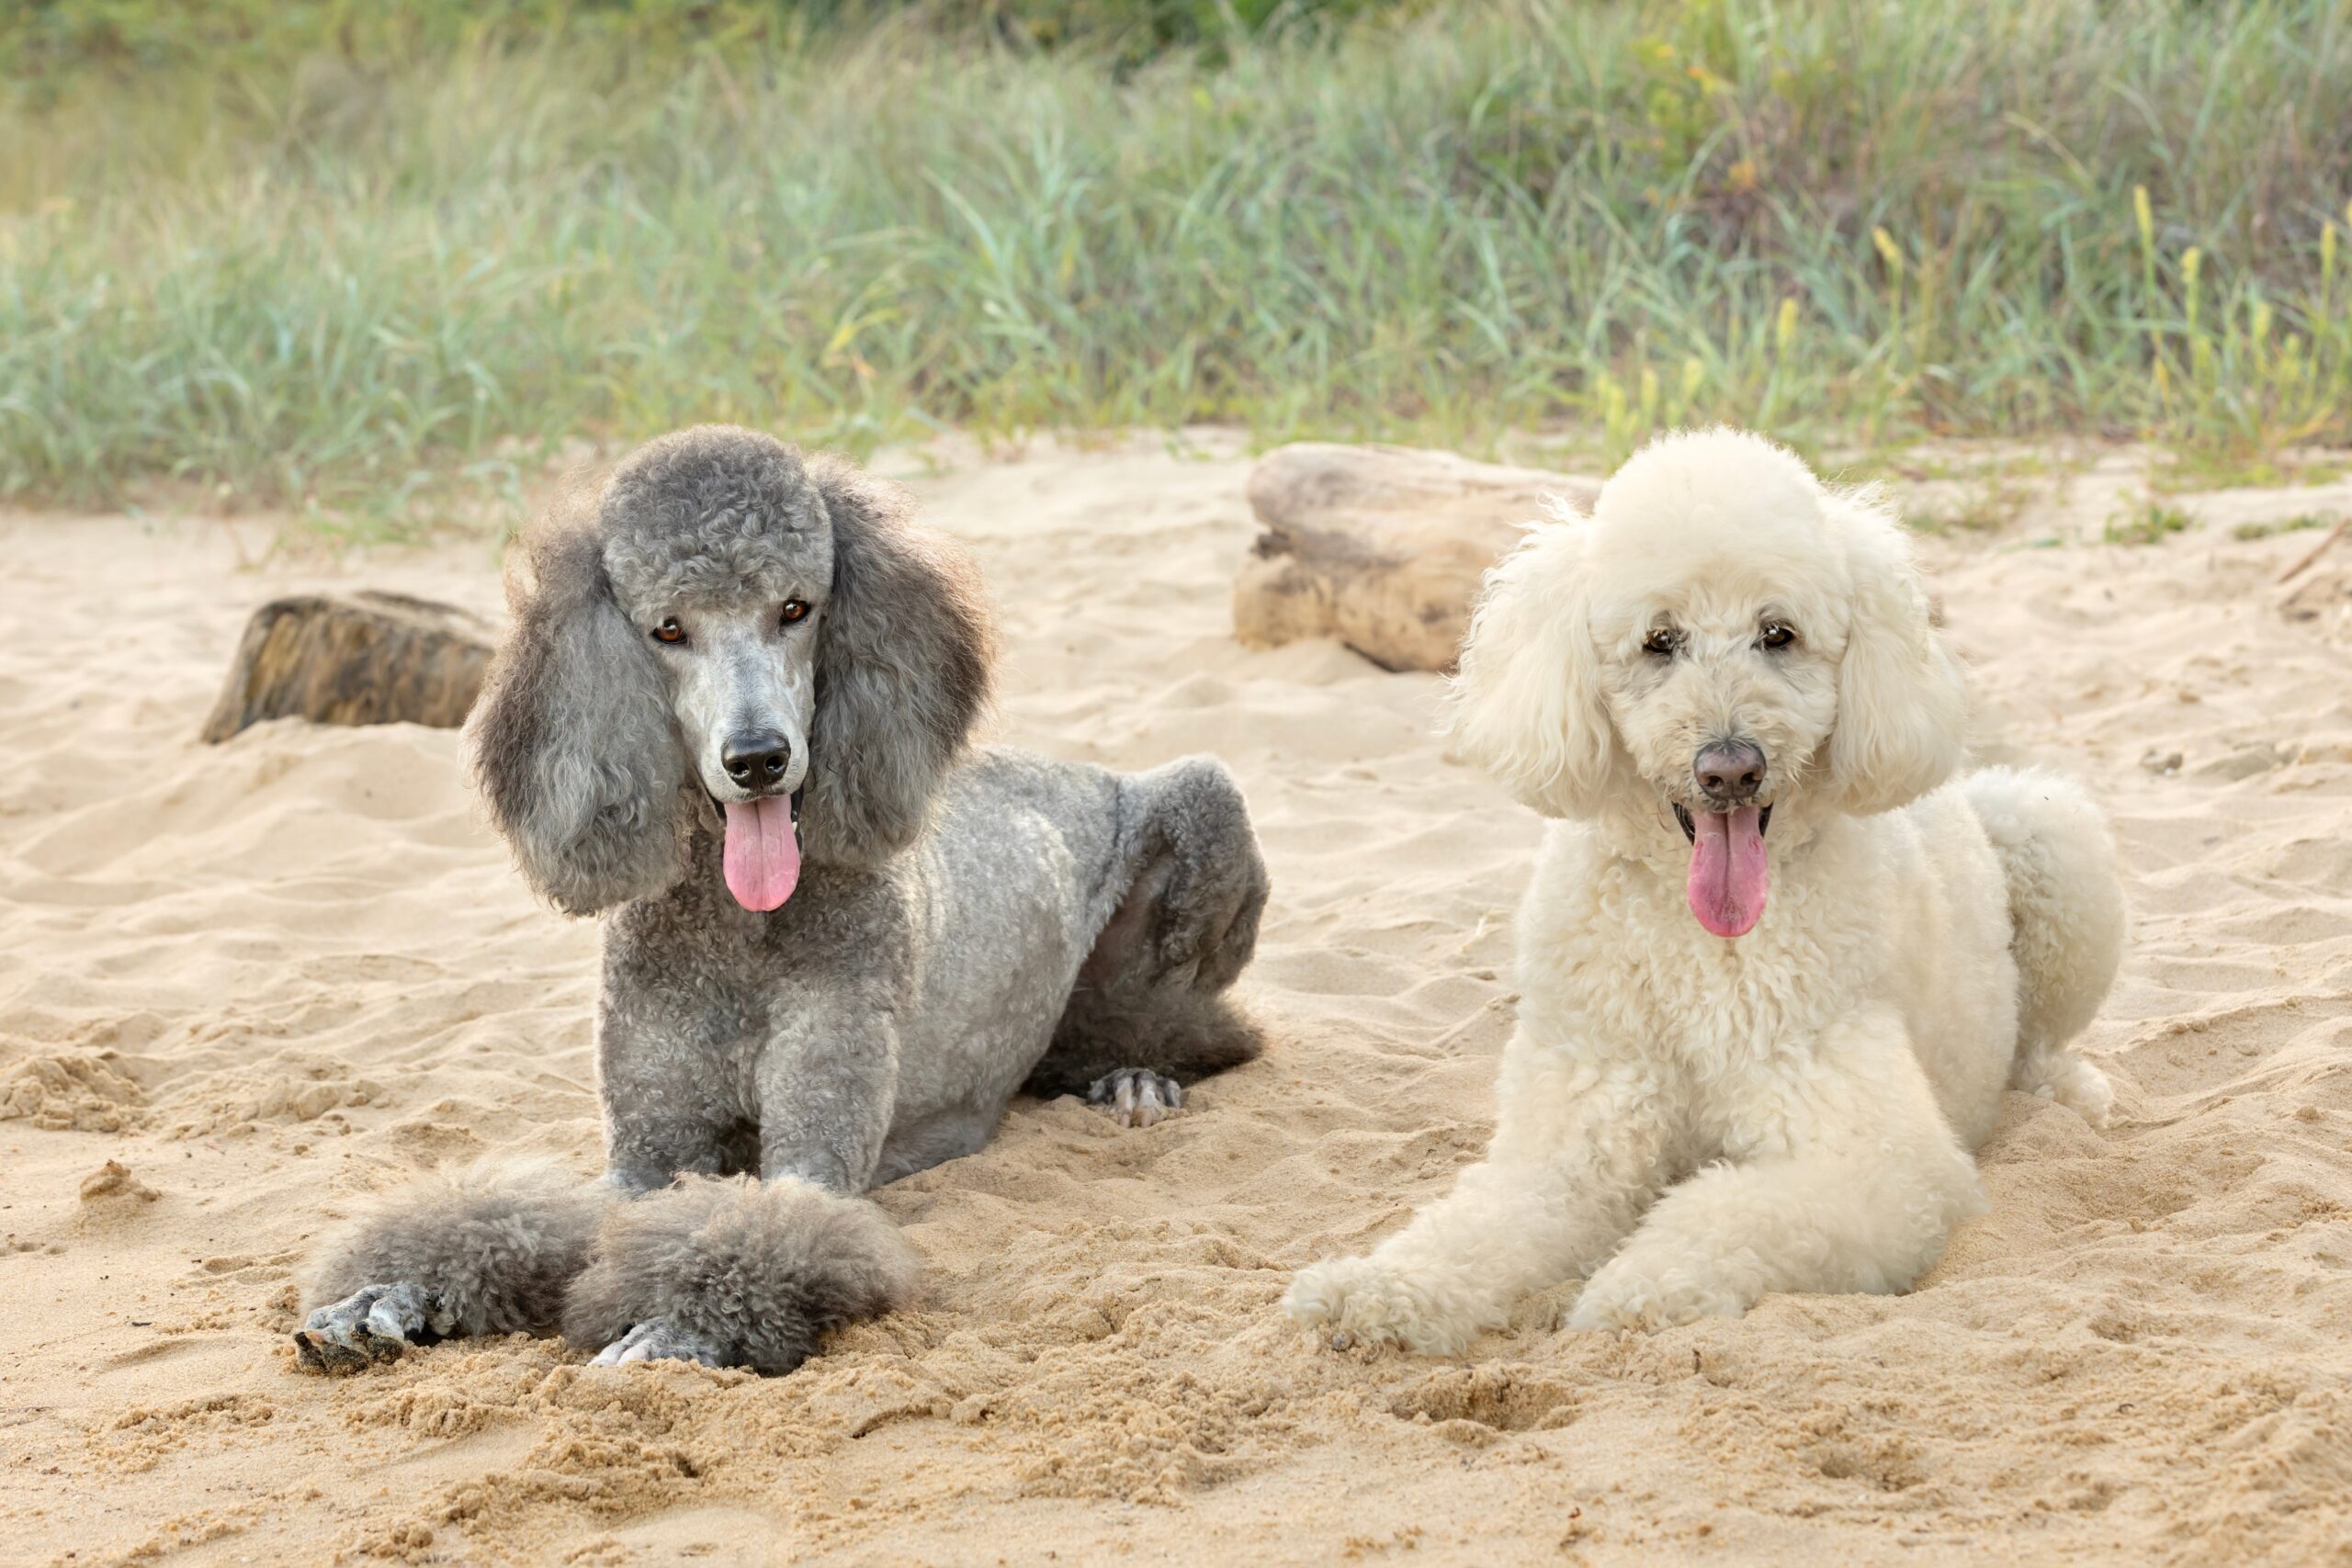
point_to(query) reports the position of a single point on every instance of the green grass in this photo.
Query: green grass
(2152, 524)
(339, 280)
(2299, 523)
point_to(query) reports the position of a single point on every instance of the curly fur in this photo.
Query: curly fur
(569, 741)
(964, 920)
(757, 1272)
(904, 670)
(493, 1247)
(1688, 1121)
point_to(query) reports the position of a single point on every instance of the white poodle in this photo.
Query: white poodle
(1725, 681)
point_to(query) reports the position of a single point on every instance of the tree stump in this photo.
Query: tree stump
(1383, 546)
(367, 658)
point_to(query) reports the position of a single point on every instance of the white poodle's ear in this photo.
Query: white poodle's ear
(1902, 709)
(1526, 705)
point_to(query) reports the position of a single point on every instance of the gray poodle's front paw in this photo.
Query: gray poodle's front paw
(373, 1324)
(657, 1339)
(1137, 1097)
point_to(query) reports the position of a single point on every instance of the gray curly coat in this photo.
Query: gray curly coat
(728, 628)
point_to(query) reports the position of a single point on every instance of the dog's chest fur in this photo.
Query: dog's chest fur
(1613, 962)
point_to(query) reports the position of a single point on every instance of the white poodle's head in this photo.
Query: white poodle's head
(1723, 639)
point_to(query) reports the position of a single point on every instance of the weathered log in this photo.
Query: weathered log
(1382, 546)
(368, 658)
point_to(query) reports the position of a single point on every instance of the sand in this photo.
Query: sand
(242, 987)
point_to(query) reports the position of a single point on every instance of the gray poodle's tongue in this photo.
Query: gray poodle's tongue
(762, 853)
(1729, 871)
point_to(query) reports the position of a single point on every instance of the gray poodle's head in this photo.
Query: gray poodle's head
(735, 634)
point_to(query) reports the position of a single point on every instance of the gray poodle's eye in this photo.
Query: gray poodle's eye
(1777, 635)
(1662, 642)
(795, 609)
(670, 631)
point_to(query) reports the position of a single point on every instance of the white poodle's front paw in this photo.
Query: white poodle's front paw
(1625, 1294)
(1364, 1299)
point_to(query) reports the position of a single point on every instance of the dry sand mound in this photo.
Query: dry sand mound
(240, 986)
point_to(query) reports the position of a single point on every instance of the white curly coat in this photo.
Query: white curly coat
(1688, 1121)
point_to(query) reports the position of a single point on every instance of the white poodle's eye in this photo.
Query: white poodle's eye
(1662, 641)
(795, 609)
(1777, 635)
(670, 631)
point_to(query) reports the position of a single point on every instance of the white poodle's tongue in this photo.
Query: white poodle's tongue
(1728, 872)
(762, 853)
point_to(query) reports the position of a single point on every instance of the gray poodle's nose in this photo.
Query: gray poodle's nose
(756, 758)
(1729, 772)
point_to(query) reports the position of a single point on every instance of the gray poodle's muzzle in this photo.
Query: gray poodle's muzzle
(743, 689)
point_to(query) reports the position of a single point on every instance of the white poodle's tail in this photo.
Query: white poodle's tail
(2067, 924)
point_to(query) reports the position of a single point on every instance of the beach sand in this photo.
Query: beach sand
(243, 987)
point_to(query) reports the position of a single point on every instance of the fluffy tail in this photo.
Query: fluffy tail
(2067, 924)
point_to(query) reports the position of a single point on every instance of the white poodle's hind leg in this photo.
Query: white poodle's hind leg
(2068, 924)
(1863, 1200)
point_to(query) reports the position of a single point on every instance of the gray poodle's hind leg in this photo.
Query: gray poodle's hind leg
(734, 1272)
(1137, 1097)
(1148, 1011)
(490, 1251)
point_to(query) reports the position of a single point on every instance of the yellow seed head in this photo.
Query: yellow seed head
(1784, 332)
(1888, 252)
(2143, 214)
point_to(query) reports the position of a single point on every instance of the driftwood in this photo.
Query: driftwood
(368, 658)
(1382, 546)
(2312, 555)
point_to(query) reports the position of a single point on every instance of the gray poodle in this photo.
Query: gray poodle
(732, 712)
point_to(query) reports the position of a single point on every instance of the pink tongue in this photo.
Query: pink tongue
(762, 855)
(1728, 870)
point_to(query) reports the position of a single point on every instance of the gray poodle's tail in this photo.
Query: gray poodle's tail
(735, 1272)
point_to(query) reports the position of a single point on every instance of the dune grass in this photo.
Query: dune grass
(336, 283)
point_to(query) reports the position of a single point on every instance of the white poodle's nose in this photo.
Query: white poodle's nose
(1729, 772)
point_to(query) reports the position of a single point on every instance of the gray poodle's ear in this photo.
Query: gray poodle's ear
(1902, 705)
(902, 670)
(571, 742)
